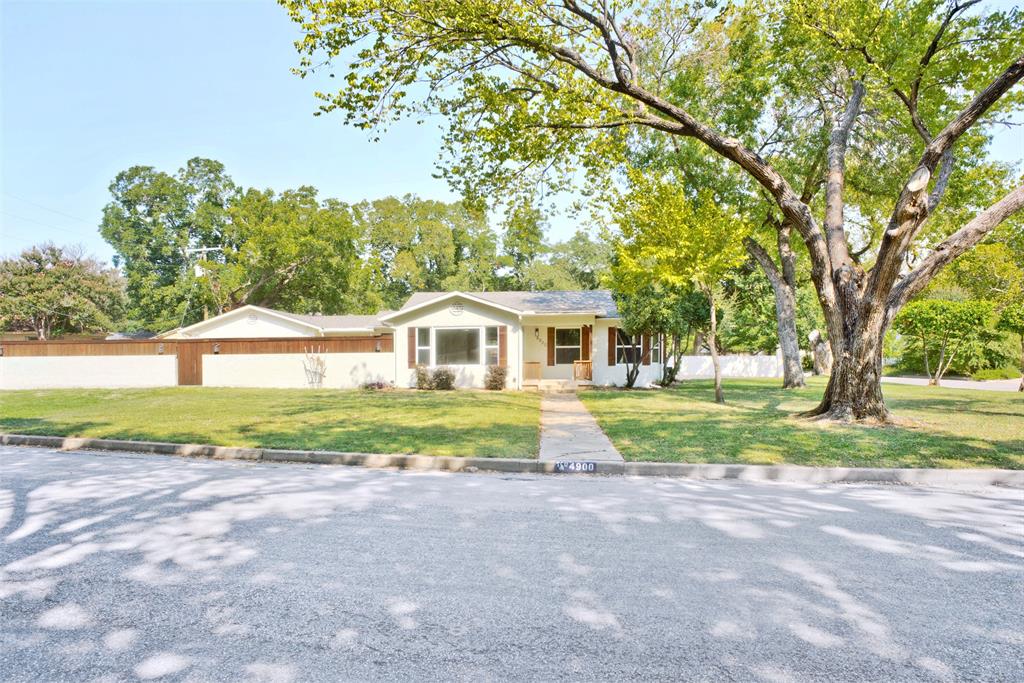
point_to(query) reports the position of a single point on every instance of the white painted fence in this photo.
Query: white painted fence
(734, 365)
(287, 370)
(81, 372)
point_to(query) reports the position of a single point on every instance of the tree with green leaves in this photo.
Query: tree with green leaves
(942, 329)
(1012, 320)
(666, 237)
(556, 86)
(54, 291)
(152, 222)
(522, 242)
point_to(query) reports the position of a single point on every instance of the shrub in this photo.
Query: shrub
(1008, 372)
(423, 378)
(495, 377)
(378, 385)
(442, 378)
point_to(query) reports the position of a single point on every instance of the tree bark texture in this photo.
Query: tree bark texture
(784, 290)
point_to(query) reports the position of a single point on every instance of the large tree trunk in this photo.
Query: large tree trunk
(713, 345)
(784, 287)
(854, 390)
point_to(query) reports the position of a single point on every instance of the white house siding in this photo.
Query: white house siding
(440, 315)
(287, 370)
(251, 324)
(535, 343)
(82, 372)
(615, 375)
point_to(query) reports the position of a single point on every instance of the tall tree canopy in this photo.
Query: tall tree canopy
(542, 87)
(193, 244)
(54, 291)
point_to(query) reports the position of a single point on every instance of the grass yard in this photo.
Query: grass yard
(462, 423)
(938, 427)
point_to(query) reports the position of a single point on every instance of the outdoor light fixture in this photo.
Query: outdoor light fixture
(216, 348)
(160, 347)
(376, 347)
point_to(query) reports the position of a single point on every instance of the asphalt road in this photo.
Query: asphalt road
(120, 567)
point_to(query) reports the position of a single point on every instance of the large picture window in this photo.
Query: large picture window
(567, 345)
(628, 349)
(457, 346)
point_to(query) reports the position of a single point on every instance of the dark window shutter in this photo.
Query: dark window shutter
(503, 345)
(585, 343)
(646, 348)
(612, 336)
(412, 347)
(551, 346)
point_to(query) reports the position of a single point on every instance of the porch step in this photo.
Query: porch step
(557, 385)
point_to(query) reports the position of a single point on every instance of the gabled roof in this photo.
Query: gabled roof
(598, 302)
(336, 322)
(320, 323)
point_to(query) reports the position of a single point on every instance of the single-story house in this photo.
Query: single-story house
(543, 338)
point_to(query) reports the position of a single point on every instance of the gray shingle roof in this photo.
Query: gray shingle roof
(334, 322)
(598, 301)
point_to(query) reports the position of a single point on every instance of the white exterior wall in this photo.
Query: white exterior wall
(249, 323)
(287, 370)
(615, 375)
(535, 343)
(81, 372)
(738, 365)
(473, 315)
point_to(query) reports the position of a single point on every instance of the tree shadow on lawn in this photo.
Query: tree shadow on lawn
(757, 426)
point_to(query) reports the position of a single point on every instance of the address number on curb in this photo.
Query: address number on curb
(576, 466)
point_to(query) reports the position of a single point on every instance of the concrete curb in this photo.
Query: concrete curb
(781, 473)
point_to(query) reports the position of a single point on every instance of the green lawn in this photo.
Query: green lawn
(938, 427)
(463, 423)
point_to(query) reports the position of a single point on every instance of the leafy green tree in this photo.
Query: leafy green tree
(152, 222)
(522, 241)
(54, 291)
(288, 251)
(426, 245)
(1012, 320)
(666, 237)
(553, 88)
(943, 329)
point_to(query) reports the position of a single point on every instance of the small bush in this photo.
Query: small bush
(379, 385)
(996, 373)
(495, 377)
(423, 378)
(442, 378)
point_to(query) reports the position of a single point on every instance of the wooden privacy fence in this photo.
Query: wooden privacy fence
(190, 352)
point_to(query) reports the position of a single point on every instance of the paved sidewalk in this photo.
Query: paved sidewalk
(986, 385)
(569, 432)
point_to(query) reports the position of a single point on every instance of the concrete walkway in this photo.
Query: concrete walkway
(569, 432)
(986, 385)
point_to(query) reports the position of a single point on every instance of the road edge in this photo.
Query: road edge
(780, 473)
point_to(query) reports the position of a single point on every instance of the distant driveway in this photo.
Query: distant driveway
(123, 567)
(987, 385)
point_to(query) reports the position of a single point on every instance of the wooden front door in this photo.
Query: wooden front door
(190, 364)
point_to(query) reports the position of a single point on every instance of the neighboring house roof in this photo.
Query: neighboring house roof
(321, 323)
(142, 334)
(336, 322)
(598, 302)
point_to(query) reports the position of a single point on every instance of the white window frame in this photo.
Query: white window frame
(628, 347)
(480, 333)
(655, 349)
(487, 347)
(578, 346)
(429, 348)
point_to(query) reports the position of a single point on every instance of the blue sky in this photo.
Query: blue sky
(90, 89)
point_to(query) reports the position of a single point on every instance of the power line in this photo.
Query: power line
(47, 208)
(45, 225)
